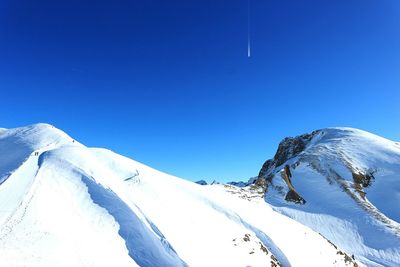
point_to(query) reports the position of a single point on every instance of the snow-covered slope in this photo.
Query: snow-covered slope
(63, 204)
(345, 184)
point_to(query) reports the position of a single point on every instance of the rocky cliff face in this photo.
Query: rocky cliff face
(288, 148)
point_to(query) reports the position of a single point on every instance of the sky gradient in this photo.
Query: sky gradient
(169, 83)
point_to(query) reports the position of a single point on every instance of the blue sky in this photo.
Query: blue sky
(169, 84)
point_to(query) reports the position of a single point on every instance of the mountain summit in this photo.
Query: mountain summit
(343, 183)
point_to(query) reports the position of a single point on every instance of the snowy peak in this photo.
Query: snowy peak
(20, 143)
(35, 136)
(349, 175)
(361, 152)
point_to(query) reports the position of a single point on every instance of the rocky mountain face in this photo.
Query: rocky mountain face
(288, 148)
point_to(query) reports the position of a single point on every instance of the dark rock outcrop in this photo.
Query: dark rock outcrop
(288, 148)
(201, 182)
(293, 196)
(262, 182)
(265, 168)
(364, 179)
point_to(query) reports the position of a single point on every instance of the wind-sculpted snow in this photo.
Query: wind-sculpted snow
(19, 144)
(147, 248)
(63, 204)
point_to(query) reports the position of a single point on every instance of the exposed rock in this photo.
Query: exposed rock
(365, 179)
(288, 172)
(291, 147)
(265, 168)
(263, 249)
(261, 182)
(274, 262)
(255, 246)
(201, 182)
(249, 193)
(246, 238)
(347, 259)
(293, 196)
(288, 148)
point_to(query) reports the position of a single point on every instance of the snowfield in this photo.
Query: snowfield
(64, 204)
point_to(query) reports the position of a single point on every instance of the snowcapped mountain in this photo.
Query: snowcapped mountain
(64, 204)
(343, 183)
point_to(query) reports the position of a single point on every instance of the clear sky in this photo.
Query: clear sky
(169, 83)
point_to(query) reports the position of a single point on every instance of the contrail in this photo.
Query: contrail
(248, 30)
